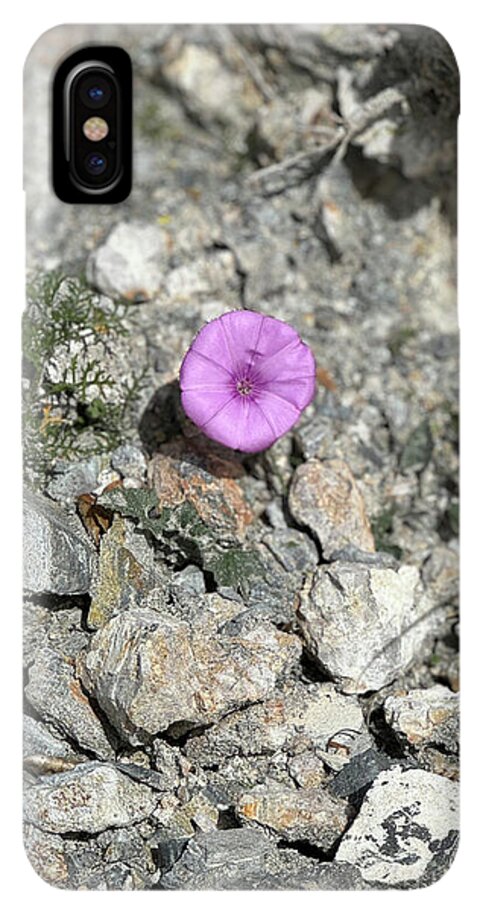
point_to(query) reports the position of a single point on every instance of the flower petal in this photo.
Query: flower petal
(202, 406)
(198, 371)
(280, 413)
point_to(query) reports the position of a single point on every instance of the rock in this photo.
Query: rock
(53, 623)
(209, 88)
(295, 815)
(428, 716)
(114, 859)
(129, 461)
(91, 798)
(55, 692)
(219, 860)
(325, 498)
(244, 859)
(58, 557)
(307, 770)
(153, 672)
(213, 275)
(131, 262)
(360, 772)
(44, 753)
(295, 719)
(121, 578)
(69, 480)
(363, 625)
(179, 822)
(46, 853)
(406, 831)
(208, 482)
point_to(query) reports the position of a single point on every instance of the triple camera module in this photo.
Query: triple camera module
(92, 123)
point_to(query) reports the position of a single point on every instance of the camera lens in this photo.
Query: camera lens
(95, 164)
(95, 91)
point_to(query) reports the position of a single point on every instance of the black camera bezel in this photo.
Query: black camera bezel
(71, 180)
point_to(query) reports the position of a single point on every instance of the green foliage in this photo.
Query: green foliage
(382, 528)
(181, 535)
(236, 568)
(418, 448)
(179, 532)
(68, 340)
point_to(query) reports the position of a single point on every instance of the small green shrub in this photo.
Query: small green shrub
(68, 407)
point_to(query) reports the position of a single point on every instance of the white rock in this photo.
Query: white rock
(405, 830)
(91, 797)
(131, 263)
(365, 625)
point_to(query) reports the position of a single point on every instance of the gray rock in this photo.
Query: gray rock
(125, 572)
(129, 461)
(118, 858)
(91, 798)
(295, 814)
(405, 829)
(425, 716)
(55, 692)
(46, 854)
(243, 859)
(151, 672)
(58, 557)
(223, 859)
(192, 578)
(69, 480)
(45, 753)
(324, 497)
(366, 625)
(295, 719)
(360, 772)
(131, 262)
(55, 624)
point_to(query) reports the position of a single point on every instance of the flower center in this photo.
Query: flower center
(244, 387)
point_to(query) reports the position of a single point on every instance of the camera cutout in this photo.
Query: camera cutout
(92, 126)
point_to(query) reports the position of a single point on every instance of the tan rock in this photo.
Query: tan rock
(182, 473)
(325, 497)
(150, 672)
(295, 815)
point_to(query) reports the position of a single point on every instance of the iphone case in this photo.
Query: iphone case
(241, 667)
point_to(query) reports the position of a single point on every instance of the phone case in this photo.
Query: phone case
(241, 664)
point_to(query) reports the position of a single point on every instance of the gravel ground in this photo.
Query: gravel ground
(241, 670)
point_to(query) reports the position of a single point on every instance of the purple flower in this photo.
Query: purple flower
(246, 379)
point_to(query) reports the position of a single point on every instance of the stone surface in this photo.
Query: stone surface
(121, 578)
(55, 692)
(313, 816)
(129, 461)
(365, 625)
(91, 798)
(58, 558)
(207, 481)
(405, 833)
(360, 772)
(429, 716)
(189, 675)
(69, 480)
(46, 853)
(325, 498)
(131, 263)
(45, 753)
(244, 859)
(299, 718)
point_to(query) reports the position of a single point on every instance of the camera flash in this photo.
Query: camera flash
(95, 128)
